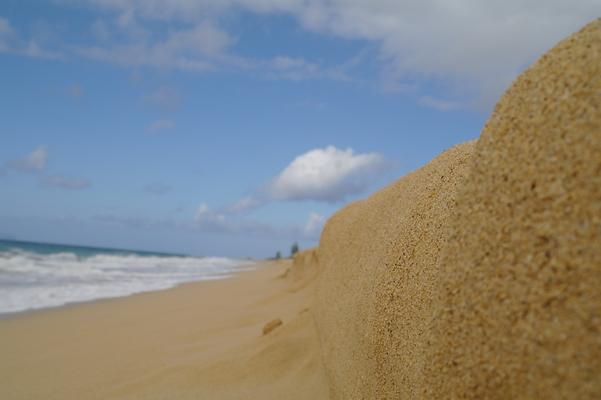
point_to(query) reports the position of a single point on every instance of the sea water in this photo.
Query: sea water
(40, 275)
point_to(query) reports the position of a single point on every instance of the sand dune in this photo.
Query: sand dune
(378, 259)
(519, 313)
(478, 276)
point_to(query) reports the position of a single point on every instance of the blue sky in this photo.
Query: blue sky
(236, 127)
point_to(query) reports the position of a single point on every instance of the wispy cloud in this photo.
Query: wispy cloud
(416, 41)
(34, 50)
(160, 126)
(63, 182)
(157, 188)
(36, 163)
(32, 162)
(165, 98)
(442, 105)
(12, 42)
(209, 220)
(196, 48)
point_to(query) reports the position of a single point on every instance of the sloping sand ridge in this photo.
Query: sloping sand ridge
(480, 278)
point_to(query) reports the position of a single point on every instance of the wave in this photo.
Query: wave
(30, 280)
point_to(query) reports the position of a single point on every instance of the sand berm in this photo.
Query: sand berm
(479, 275)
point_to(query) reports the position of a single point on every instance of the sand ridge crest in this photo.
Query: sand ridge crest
(478, 275)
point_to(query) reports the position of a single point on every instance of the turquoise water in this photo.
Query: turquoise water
(80, 251)
(41, 275)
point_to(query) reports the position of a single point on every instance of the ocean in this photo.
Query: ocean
(41, 275)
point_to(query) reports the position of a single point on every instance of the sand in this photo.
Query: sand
(519, 311)
(197, 341)
(479, 275)
(378, 262)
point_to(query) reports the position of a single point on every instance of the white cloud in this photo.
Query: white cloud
(33, 162)
(195, 48)
(245, 204)
(327, 174)
(204, 38)
(298, 69)
(216, 222)
(161, 125)
(209, 220)
(476, 48)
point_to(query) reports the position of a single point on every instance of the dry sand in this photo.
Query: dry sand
(378, 261)
(519, 312)
(479, 275)
(198, 341)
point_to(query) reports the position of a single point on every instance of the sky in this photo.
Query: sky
(237, 127)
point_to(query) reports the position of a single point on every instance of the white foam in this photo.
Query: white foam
(32, 281)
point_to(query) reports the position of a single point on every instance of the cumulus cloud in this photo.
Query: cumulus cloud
(327, 174)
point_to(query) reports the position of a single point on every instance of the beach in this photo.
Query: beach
(475, 276)
(198, 340)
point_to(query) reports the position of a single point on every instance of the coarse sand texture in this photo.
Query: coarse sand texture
(378, 265)
(519, 312)
(479, 275)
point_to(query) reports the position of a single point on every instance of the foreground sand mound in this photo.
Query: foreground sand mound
(520, 308)
(377, 262)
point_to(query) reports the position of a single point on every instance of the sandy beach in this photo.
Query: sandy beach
(475, 276)
(198, 340)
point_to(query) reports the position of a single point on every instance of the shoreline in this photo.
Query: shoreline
(228, 275)
(200, 339)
